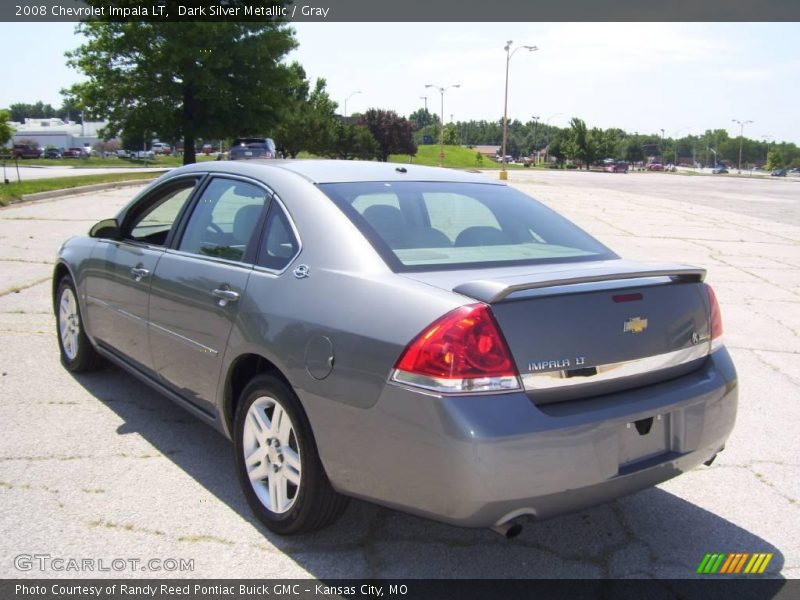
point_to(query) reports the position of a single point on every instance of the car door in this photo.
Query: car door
(198, 284)
(118, 284)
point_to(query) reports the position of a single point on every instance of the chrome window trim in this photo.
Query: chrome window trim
(550, 380)
(215, 259)
(290, 220)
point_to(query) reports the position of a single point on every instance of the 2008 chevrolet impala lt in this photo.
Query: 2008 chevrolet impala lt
(422, 338)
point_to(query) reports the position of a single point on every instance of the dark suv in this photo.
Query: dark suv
(247, 148)
(26, 151)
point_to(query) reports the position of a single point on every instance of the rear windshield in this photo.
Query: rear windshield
(422, 226)
(252, 142)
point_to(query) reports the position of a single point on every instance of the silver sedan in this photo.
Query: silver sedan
(421, 338)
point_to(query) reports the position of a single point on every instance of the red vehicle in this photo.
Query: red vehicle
(26, 151)
(73, 153)
(655, 167)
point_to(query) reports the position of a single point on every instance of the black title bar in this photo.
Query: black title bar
(711, 588)
(402, 10)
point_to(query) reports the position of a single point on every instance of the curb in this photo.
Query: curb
(95, 187)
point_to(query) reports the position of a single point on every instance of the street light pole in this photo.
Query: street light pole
(535, 123)
(509, 54)
(426, 102)
(441, 129)
(348, 98)
(741, 139)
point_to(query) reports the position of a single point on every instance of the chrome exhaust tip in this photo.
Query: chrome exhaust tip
(508, 530)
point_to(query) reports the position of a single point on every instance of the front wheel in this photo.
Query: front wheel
(277, 461)
(77, 352)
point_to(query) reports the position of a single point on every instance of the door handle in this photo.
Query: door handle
(139, 272)
(225, 295)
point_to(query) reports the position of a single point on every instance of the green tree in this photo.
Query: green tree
(451, 135)
(184, 80)
(588, 145)
(308, 117)
(775, 160)
(353, 141)
(560, 147)
(6, 130)
(422, 118)
(633, 151)
(71, 110)
(38, 110)
(394, 134)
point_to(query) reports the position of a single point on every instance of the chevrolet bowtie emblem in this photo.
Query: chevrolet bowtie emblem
(635, 325)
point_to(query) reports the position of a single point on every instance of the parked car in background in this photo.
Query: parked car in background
(161, 148)
(52, 153)
(207, 149)
(26, 151)
(719, 170)
(74, 152)
(779, 173)
(424, 338)
(248, 148)
(136, 154)
(655, 167)
(619, 166)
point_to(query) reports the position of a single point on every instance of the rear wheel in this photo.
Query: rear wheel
(277, 461)
(77, 352)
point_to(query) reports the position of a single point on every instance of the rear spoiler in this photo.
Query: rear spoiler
(495, 290)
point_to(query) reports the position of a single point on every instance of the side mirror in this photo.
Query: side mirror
(107, 229)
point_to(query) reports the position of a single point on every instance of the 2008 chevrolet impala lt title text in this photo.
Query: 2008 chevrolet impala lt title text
(420, 338)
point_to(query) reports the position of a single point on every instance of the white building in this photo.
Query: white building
(57, 133)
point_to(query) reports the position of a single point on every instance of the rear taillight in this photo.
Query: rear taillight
(716, 319)
(463, 351)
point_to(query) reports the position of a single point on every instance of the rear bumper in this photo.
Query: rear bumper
(481, 460)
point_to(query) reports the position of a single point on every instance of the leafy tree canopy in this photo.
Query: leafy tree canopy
(308, 118)
(394, 134)
(183, 80)
(352, 141)
(422, 118)
(5, 129)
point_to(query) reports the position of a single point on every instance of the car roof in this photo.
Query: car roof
(346, 171)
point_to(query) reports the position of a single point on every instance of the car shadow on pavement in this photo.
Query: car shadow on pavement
(652, 534)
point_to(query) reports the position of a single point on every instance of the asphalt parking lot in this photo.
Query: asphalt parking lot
(99, 466)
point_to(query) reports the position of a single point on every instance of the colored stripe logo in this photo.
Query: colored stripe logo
(719, 563)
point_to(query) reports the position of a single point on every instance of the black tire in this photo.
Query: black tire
(84, 357)
(315, 504)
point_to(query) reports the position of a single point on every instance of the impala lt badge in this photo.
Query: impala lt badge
(561, 363)
(635, 325)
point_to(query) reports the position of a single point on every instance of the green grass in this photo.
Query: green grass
(457, 157)
(13, 192)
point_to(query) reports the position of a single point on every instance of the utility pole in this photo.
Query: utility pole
(509, 54)
(442, 90)
(741, 139)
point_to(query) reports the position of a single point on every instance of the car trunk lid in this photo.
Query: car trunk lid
(587, 329)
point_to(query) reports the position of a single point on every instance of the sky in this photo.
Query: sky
(642, 77)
